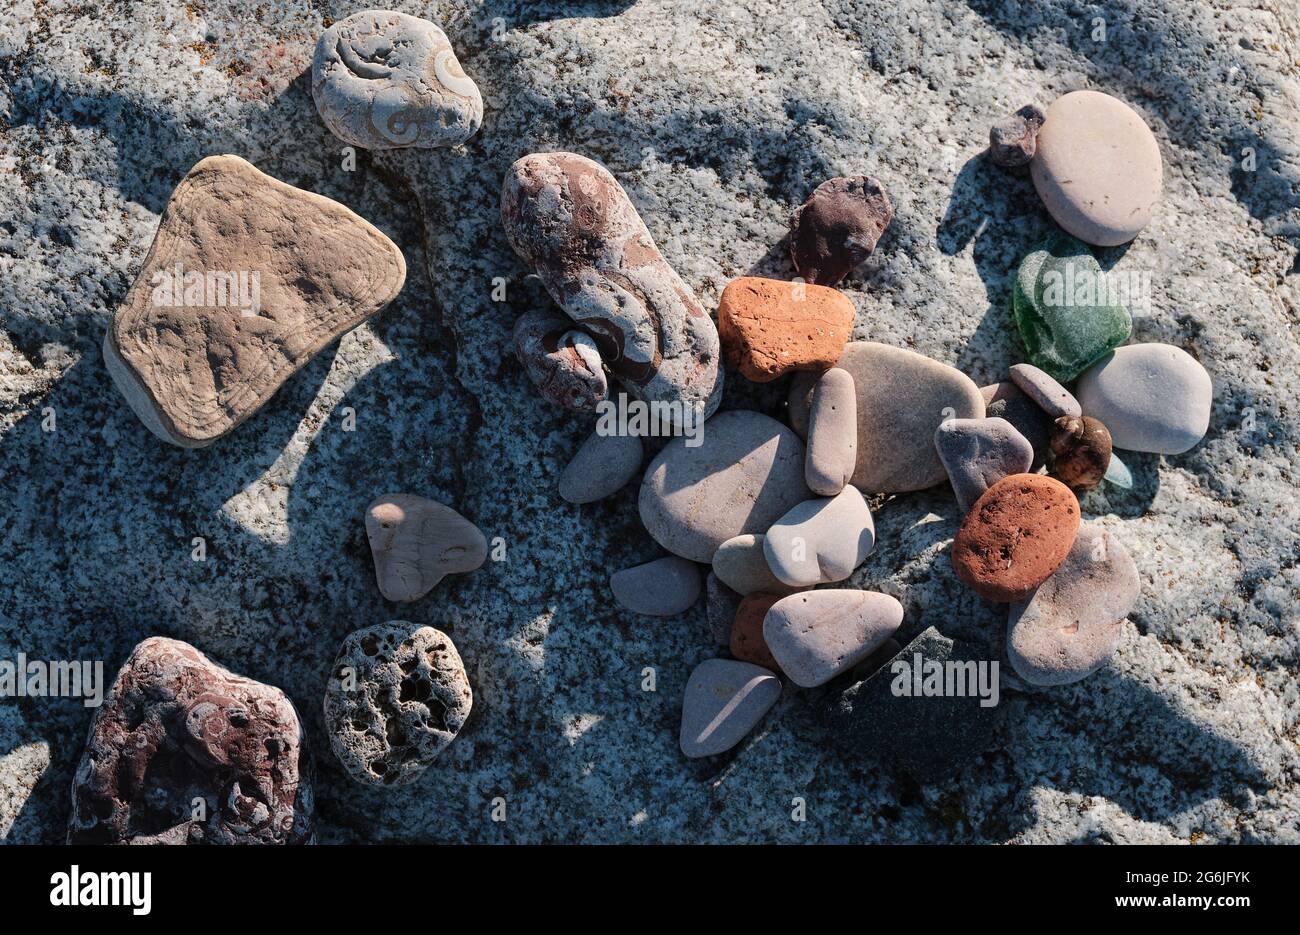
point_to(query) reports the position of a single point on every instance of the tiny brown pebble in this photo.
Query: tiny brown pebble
(838, 227)
(1017, 533)
(1080, 451)
(1014, 140)
(747, 643)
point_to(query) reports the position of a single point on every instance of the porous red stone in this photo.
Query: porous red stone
(769, 327)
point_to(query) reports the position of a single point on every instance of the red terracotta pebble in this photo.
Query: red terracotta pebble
(1017, 533)
(769, 327)
(747, 643)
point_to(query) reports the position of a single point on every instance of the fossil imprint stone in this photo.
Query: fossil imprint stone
(247, 279)
(417, 542)
(177, 728)
(386, 80)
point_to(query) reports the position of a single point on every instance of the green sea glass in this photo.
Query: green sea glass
(1066, 309)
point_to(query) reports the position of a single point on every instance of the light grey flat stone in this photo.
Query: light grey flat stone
(977, 453)
(724, 699)
(602, 467)
(663, 588)
(832, 433)
(1152, 397)
(821, 540)
(741, 563)
(816, 635)
(1043, 388)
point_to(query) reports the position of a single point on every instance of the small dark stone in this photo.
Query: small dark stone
(722, 604)
(838, 227)
(185, 752)
(930, 737)
(1007, 401)
(1013, 140)
(1081, 448)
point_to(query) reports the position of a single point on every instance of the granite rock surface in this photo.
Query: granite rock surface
(718, 126)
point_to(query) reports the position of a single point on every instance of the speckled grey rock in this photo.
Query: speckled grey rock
(821, 540)
(1042, 388)
(718, 127)
(724, 699)
(387, 80)
(602, 467)
(1072, 624)
(816, 636)
(742, 564)
(396, 697)
(665, 587)
(832, 433)
(1152, 397)
(746, 474)
(977, 453)
(902, 396)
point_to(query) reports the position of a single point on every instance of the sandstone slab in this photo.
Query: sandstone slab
(247, 279)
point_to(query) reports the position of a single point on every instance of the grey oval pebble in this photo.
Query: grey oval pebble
(816, 635)
(977, 453)
(1072, 623)
(821, 540)
(1152, 397)
(724, 699)
(1042, 388)
(663, 588)
(741, 563)
(603, 466)
(832, 433)
(746, 473)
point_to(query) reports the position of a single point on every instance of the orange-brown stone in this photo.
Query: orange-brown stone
(747, 643)
(769, 327)
(1016, 534)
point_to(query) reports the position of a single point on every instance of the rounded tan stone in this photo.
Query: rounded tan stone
(1097, 168)
(769, 327)
(416, 542)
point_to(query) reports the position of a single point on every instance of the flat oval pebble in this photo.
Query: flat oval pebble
(416, 542)
(769, 327)
(1097, 168)
(837, 228)
(902, 396)
(1042, 388)
(978, 453)
(747, 643)
(396, 698)
(1007, 401)
(724, 699)
(741, 564)
(1015, 535)
(1071, 624)
(603, 466)
(664, 587)
(821, 540)
(746, 473)
(385, 80)
(816, 635)
(832, 433)
(1152, 397)
(1080, 452)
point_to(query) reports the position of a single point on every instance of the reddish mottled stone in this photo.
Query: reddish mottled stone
(563, 363)
(185, 752)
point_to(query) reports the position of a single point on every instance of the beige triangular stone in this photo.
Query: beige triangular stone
(281, 273)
